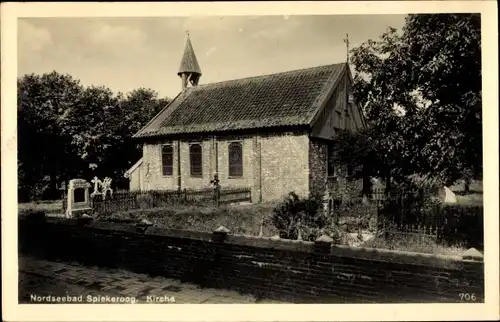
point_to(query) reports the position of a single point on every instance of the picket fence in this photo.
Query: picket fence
(125, 200)
(450, 223)
(404, 214)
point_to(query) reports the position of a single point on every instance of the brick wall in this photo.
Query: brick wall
(285, 165)
(152, 168)
(135, 179)
(319, 183)
(273, 165)
(248, 161)
(302, 272)
(317, 165)
(194, 182)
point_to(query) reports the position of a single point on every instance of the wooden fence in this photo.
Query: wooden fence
(411, 214)
(450, 223)
(121, 201)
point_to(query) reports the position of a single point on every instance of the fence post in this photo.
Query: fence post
(185, 195)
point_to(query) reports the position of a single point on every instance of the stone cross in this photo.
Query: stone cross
(106, 186)
(96, 183)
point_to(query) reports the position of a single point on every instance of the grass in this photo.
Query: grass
(45, 206)
(254, 219)
(240, 219)
(414, 243)
(473, 199)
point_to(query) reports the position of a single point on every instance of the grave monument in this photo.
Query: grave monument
(78, 197)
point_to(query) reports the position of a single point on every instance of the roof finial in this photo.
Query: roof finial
(187, 32)
(346, 41)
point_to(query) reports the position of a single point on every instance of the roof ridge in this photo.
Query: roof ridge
(266, 75)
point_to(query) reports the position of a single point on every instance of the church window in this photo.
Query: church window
(235, 159)
(167, 159)
(196, 160)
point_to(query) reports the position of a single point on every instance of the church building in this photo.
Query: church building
(269, 133)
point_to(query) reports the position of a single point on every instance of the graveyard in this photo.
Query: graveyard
(358, 225)
(210, 250)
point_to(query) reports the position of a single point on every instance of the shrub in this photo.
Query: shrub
(452, 223)
(461, 224)
(33, 216)
(296, 214)
(144, 201)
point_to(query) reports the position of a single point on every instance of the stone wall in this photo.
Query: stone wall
(152, 168)
(339, 186)
(317, 165)
(297, 271)
(285, 166)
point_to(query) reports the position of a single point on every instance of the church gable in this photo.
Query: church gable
(339, 113)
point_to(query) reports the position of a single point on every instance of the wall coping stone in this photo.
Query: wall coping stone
(145, 222)
(222, 229)
(324, 239)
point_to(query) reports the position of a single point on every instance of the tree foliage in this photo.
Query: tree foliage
(66, 130)
(420, 89)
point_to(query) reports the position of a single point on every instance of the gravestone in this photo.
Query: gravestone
(446, 195)
(105, 186)
(78, 198)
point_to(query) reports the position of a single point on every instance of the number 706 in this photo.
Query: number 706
(467, 296)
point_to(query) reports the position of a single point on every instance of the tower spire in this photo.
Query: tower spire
(189, 70)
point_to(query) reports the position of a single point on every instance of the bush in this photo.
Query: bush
(461, 224)
(303, 217)
(455, 223)
(145, 201)
(33, 215)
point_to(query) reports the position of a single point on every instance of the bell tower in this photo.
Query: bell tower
(189, 71)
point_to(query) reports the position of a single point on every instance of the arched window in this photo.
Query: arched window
(235, 159)
(167, 160)
(196, 160)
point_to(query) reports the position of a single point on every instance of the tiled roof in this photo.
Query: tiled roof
(288, 98)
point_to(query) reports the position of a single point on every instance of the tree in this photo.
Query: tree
(420, 89)
(44, 151)
(66, 131)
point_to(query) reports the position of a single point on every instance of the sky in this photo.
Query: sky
(124, 54)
